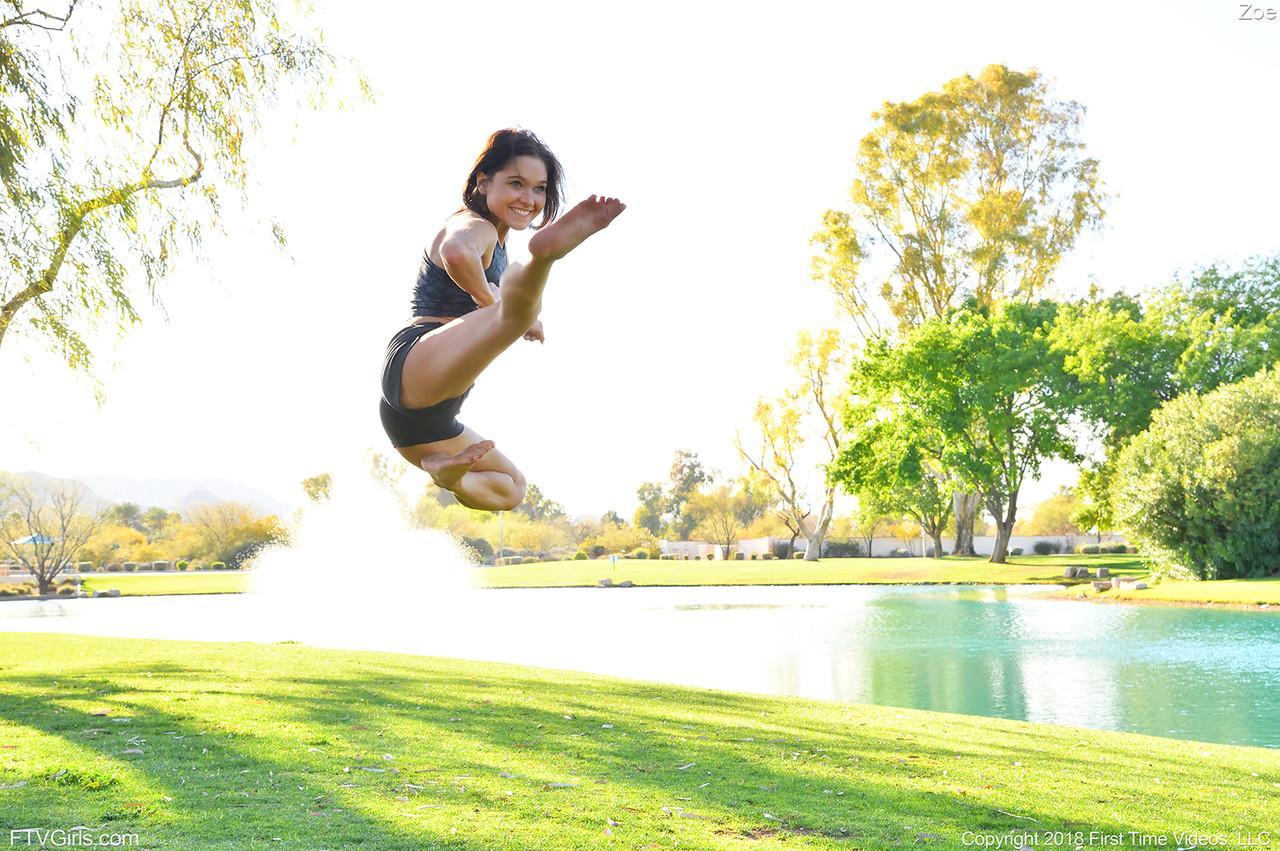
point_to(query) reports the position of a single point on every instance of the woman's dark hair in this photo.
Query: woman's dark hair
(503, 147)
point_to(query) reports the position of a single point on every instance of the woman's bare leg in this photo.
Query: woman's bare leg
(444, 363)
(477, 474)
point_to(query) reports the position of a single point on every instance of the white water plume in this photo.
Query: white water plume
(355, 571)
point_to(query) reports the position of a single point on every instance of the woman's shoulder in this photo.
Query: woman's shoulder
(472, 223)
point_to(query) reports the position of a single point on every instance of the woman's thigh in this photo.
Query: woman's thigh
(445, 362)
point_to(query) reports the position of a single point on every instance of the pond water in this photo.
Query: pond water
(1009, 652)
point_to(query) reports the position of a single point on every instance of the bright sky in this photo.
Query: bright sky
(727, 129)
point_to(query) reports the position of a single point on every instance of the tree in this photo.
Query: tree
(907, 532)
(1129, 356)
(232, 533)
(652, 505)
(720, 515)
(613, 517)
(1055, 516)
(886, 462)
(986, 396)
(173, 93)
(44, 527)
(318, 488)
(687, 474)
(976, 192)
(158, 522)
(126, 514)
(775, 462)
(869, 518)
(820, 360)
(1199, 491)
(537, 507)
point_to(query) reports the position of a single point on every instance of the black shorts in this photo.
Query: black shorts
(410, 426)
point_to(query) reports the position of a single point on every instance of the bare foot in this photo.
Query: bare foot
(447, 470)
(570, 230)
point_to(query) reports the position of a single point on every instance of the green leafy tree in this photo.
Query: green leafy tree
(121, 137)
(536, 506)
(686, 476)
(986, 394)
(886, 462)
(1199, 491)
(1129, 356)
(976, 191)
(126, 514)
(653, 501)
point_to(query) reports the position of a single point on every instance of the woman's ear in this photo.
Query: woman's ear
(481, 180)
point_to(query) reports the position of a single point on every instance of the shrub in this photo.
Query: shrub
(1112, 549)
(114, 568)
(581, 555)
(1016, 551)
(482, 548)
(900, 552)
(218, 565)
(130, 566)
(739, 556)
(183, 564)
(84, 567)
(842, 549)
(753, 556)
(598, 550)
(1087, 549)
(709, 556)
(1198, 490)
(1046, 548)
(768, 557)
(639, 552)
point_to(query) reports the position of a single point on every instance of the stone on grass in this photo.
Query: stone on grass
(605, 583)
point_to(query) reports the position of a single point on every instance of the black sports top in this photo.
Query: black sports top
(436, 294)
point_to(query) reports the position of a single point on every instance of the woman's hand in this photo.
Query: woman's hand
(535, 332)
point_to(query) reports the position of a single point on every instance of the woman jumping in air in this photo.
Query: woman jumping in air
(469, 307)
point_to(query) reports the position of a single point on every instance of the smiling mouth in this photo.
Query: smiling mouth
(521, 212)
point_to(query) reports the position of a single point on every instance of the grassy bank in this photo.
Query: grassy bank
(1238, 592)
(833, 571)
(242, 746)
(134, 584)
(827, 571)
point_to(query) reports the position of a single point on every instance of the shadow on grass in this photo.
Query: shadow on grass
(524, 759)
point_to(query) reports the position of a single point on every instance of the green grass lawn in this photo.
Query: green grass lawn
(838, 571)
(244, 746)
(827, 571)
(134, 584)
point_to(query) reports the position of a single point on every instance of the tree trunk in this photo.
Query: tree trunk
(814, 552)
(937, 542)
(791, 545)
(1005, 516)
(965, 506)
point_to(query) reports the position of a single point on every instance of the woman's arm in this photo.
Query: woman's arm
(465, 243)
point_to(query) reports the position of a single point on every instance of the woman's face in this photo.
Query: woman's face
(516, 193)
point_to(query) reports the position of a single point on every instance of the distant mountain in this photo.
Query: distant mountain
(181, 494)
